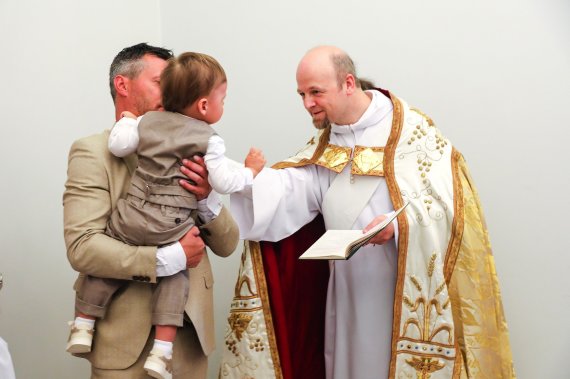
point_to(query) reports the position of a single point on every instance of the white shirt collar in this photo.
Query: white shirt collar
(379, 107)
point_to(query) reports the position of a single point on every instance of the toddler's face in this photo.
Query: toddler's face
(216, 103)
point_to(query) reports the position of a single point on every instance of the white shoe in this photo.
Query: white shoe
(158, 366)
(80, 339)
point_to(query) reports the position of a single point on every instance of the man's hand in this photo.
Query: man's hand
(382, 237)
(193, 247)
(198, 175)
(255, 161)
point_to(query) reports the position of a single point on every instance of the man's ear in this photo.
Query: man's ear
(121, 84)
(203, 106)
(350, 83)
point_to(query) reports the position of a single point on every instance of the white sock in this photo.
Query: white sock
(84, 321)
(164, 346)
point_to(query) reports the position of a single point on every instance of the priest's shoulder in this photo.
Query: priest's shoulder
(307, 154)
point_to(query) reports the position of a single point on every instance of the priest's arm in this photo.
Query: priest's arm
(278, 203)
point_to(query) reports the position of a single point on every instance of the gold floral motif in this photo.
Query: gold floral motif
(238, 323)
(416, 283)
(257, 345)
(424, 366)
(368, 161)
(428, 145)
(431, 265)
(335, 157)
(243, 280)
(427, 305)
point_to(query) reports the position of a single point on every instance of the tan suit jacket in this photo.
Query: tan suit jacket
(96, 180)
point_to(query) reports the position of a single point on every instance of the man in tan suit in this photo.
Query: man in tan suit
(96, 180)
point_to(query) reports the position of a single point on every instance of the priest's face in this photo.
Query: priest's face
(322, 96)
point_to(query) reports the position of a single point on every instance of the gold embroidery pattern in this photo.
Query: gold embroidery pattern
(481, 327)
(255, 252)
(335, 157)
(251, 349)
(426, 304)
(397, 200)
(238, 323)
(365, 161)
(368, 161)
(429, 146)
(432, 300)
(458, 217)
(318, 151)
(424, 366)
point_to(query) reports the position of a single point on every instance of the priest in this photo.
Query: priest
(421, 300)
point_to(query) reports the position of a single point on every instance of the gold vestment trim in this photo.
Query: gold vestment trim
(255, 251)
(397, 201)
(458, 218)
(335, 157)
(366, 160)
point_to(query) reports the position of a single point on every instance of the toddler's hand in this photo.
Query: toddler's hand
(255, 161)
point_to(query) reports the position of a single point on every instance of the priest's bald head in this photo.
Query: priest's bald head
(330, 88)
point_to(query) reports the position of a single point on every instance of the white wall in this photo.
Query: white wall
(494, 76)
(55, 57)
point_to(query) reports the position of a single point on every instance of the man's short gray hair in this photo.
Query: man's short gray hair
(129, 62)
(343, 65)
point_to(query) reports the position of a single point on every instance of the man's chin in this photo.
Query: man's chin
(321, 124)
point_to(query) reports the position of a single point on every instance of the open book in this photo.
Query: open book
(342, 244)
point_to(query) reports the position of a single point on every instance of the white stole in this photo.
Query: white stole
(344, 201)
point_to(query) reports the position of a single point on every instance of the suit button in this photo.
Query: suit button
(177, 220)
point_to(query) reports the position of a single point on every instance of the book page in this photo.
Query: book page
(332, 245)
(342, 244)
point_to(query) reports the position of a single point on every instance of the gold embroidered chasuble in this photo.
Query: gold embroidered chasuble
(448, 317)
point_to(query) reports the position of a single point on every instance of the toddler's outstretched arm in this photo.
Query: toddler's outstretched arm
(255, 161)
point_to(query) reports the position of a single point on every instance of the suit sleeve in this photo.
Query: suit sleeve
(91, 191)
(221, 234)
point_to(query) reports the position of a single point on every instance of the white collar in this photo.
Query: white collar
(379, 107)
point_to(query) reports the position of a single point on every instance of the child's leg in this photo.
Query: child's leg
(169, 300)
(90, 303)
(84, 316)
(95, 295)
(165, 333)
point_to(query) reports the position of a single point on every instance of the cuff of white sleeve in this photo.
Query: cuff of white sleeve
(210, 207)
(248, 177)
(170, 260)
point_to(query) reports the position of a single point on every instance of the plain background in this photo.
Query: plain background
(493, 75)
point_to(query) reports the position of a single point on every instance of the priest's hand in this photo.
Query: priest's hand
(197, 174)
(385, 235)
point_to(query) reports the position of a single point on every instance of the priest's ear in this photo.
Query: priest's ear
(350, 83)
